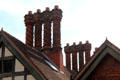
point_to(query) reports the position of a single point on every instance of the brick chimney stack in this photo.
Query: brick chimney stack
(57, 50)
(29, 22)
(38, 29)
(68, 58)
(81, 59)
(45, 20)
(57, 16)
(87, 46)
(74, 50)
(47, 28)
(74, 56)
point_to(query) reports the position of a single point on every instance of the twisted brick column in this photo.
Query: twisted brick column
(81, 59)
(57, 16)
(47, 28)
(38, 29)
(68, 58)
(56, 53)
(87, 51)
(74, 57)
(29, 22)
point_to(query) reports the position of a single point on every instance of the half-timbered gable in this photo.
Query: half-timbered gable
(21, 62)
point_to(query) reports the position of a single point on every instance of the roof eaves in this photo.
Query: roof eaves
(25, 57)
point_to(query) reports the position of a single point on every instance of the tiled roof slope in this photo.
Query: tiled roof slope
(106, 48)
(37, 61)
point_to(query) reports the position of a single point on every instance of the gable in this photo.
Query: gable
(107, 48)
(11, 68)
(20, 51)
(36, 62)
(107, 69)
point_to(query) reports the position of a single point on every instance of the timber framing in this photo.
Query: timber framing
(6, 42)
(12, 73)
(37, 63)
(21, 73)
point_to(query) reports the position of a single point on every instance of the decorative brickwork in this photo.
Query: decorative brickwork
(29, 22)
(38, 29)
(57, 50)
(74, 56)
(87, 47)
(45, 19)
(81, 59)
(47, 28)
(68, 59)
(57, 16)
(74, 49)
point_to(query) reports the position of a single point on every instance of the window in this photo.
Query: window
(6, 66)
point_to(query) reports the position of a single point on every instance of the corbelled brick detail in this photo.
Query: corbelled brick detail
(74, 57)
(87, 48)
(75, 50)
(38, 29)
(81, 59)
(47, 28)
(56, 18)
(45, 20)
(68, 58)
(29, 22)
(57, 50)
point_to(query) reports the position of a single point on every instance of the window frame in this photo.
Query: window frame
(3, 64)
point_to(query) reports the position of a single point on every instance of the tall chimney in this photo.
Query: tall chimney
(68, 58)
(57, 16)
(57, 50)
(47, 28)
(38, 29)
(74, 56)
(81, 59)
(87, 51)
(29, 22)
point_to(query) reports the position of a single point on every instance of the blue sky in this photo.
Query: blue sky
(92, 20)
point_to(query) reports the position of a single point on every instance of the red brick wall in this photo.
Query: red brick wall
(108, 69)
(56, 56)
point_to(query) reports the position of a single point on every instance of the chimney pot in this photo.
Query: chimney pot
(67, 44)
(87, 41)
(80, 42)
(47, 9)
(74, 43)
(38, 11)
(56, 7)
(30, 12)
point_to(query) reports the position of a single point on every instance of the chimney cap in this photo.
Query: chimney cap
(30, 12)
(67, 44)
(38, 10)
(87, 41)
(74, 43)
(80, 42)
(56, 7)
(47, 9)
